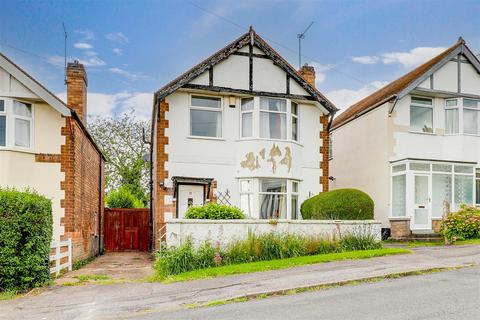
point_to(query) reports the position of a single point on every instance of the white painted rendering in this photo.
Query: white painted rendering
(222, 232)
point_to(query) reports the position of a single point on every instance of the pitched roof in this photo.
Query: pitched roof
(399, 87)
(249, 37)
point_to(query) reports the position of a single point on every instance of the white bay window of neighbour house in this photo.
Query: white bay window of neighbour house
(16, 119)
(462, 116)
(421, 115)
(247, 107)
(273, 118)
(206, 117)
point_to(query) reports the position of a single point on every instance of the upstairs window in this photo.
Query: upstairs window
(421, 115)
(206, 117)
(471, 109)
(22, 114)
(451, 116)
(3, 124)
(294, 111)
(247, 117)
(273, 118)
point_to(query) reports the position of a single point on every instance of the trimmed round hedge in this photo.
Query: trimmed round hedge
(214, 211)
(25, 237)
(339, 204)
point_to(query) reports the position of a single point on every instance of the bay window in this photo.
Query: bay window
(206, 117)
(273, 199)
(247, 117)
(421, 115)
(273, 118)
(16, 124)
(471, 109)
(399, 190)
(462, 116)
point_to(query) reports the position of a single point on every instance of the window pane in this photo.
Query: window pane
(421, 119)
(470, 103)
(206, 123)
(245, 186)
(3, 130)
(247, 124)
(2, 105)
(442, 167)
(208, 102)
(421, 190)
(294, 186)
(451, 103)
(294, 108)
(425, 101)
(273, 104)
(470, 121)
(247, 104)
(400, 167)
(273, 125)
(22, 109)
(294, 129)
(451, 121)
(463, 169)
(273, 206)
(22, 133)
(441, 194)
(420, 166)
(273, 185)
(398, 195)
(463, 187)
(294, 212)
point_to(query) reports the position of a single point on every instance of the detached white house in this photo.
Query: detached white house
(244, 128)
(414, 145)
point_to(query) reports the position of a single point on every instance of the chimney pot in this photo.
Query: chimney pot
(308, 74)
(77, 89)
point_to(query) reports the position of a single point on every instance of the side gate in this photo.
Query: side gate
(127, 229)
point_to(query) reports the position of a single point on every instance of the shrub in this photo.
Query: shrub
(122, 198)
(25, 237)
(461, 225)
(214, 211)
(268, 246)
(340, 204)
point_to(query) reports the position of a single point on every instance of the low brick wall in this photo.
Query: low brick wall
(223, 231)
(400, 228)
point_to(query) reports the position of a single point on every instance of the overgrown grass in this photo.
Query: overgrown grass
(82, 263)
(8, 295)
(281, 264)
(416, 243)
(93, 277)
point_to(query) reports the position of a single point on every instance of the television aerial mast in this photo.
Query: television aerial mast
(300, 37)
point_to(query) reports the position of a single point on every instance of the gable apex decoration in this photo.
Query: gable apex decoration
(251, 39)
(33, 85)
(402, 86)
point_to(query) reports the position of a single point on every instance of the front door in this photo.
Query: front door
(188, 196)
(422, 213)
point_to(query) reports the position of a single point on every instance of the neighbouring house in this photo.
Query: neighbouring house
(414, 145)
(45, 146)
(242, 128)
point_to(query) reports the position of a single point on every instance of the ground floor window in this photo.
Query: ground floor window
(266, 198)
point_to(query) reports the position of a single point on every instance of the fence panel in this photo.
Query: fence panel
(58, 256)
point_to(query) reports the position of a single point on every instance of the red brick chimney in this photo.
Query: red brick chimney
(77, 89)
(308, 74)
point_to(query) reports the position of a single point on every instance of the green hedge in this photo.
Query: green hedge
(214, 211)
(122, 198)
(25, 237)
(340, 204)
(461, 225)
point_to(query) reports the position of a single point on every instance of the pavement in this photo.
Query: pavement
(139, 299)
(132, 265)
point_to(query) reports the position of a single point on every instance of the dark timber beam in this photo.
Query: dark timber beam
(255, 55)
(210, 76)
(250, 66)
(247, 92)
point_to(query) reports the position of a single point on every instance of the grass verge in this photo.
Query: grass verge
(323, 286)
(8, 295)
(415, 244)
(281, 264)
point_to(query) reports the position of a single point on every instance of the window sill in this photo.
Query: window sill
(267, 139)
(17, 149)
(425, 133)
(206, 138)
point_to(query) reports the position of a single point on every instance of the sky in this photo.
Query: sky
(132, 48)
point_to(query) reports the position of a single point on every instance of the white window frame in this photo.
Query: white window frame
(297, 117)
(476, 179)
(460, 116)
(192, 107)
(462, 122)
(286, 113)
(10, 125)
(242, 112)
(249, 194)
(293, 193)
(419, 105)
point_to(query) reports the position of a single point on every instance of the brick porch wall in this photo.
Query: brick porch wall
(324, 164)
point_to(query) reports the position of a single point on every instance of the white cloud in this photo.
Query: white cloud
(128, 74)
(366, 59)
(117, 51)
(320, 71)
(92, 61)
(413, 57)
(344, 98)
(105, 105)
(83, 45)
(57, 61)
(86, 34)
(117, 37)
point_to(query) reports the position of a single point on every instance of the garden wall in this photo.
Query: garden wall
(223, 231)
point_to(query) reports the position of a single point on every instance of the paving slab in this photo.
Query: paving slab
(130, 300)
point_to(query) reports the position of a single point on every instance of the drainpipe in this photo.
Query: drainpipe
(150, 143)
(100, 205)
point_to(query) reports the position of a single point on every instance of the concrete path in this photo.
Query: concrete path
(131, 300)
(453, 295)
(115, 265)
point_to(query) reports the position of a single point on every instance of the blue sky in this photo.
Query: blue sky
(132, 48)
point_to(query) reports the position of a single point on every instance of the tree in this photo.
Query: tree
(120, 138)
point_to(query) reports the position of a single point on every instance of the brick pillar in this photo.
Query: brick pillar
(308, 74)
(77, 89)
(324, 164)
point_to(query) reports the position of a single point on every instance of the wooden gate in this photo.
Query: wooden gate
(127, 229)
